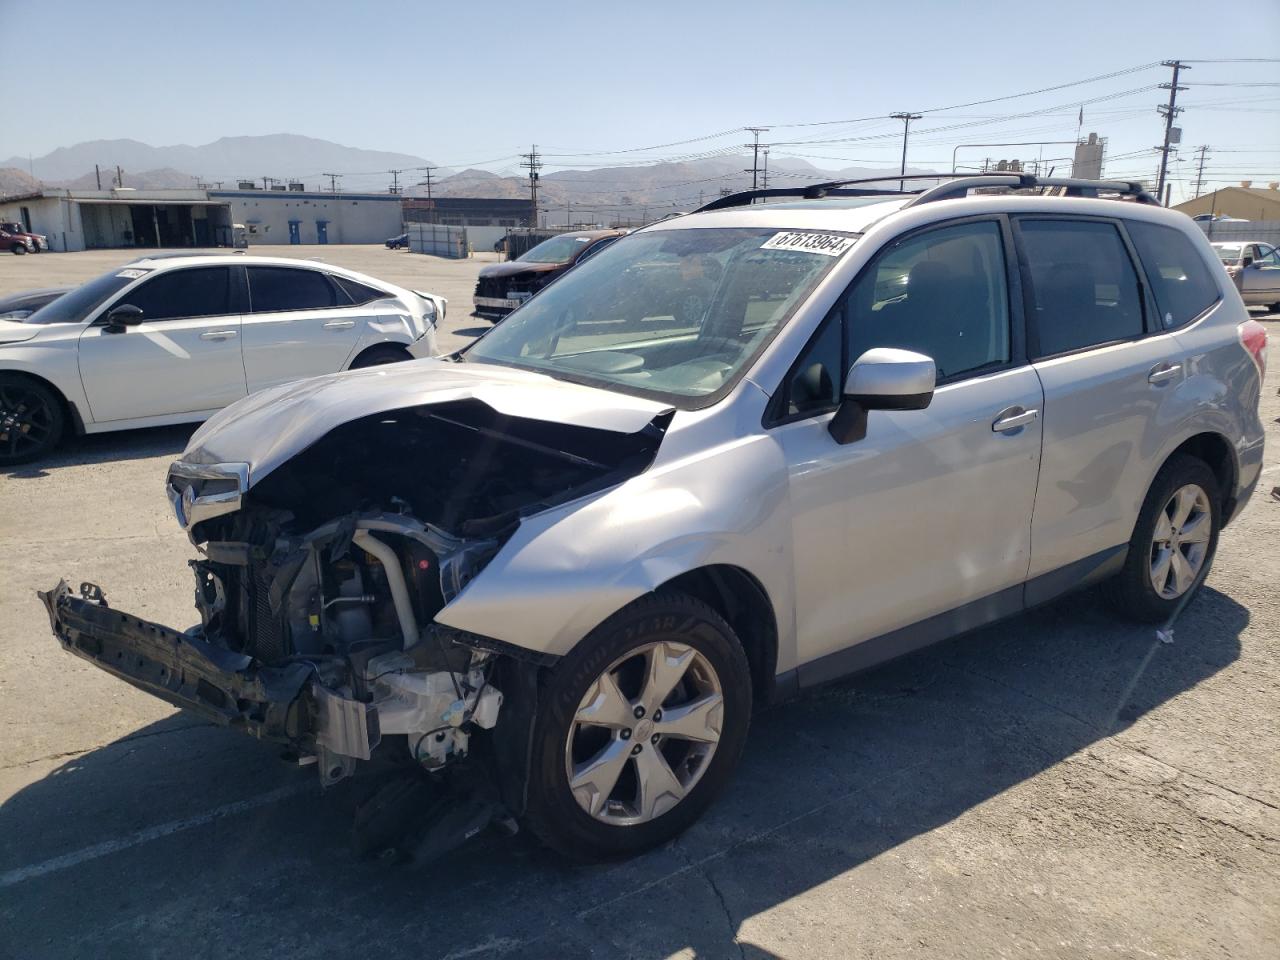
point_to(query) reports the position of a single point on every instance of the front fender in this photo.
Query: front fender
(566, 570)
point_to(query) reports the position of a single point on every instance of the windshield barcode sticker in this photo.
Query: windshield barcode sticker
(131, 274)
(827, 244)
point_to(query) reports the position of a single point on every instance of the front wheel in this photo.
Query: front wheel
(638, 729)
(1173, 542)
(31, 420)
(18, 249)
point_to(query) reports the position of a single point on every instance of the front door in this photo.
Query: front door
(1260, 281)
(322, 231)
(930, 513)
(184, 356)
(295, 231)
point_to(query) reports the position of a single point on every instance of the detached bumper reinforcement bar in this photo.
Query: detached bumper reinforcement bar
(228, 688)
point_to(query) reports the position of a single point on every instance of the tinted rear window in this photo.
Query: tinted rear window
(358, 292)
(1184, 288)
(272, 289)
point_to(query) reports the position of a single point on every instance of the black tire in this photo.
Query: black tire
(554, 815)
(381, 354)
(1131, 592)
(18, 249)
(32, 419)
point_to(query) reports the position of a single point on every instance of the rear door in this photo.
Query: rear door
(1107, 368)
(183, 357)
(300, 323)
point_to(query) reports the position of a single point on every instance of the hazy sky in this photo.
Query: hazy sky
(467, 83)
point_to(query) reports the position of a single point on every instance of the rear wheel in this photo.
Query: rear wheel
(18, 249)
(1173, 542)
(638, 729)
(31, 419)
(383, 353)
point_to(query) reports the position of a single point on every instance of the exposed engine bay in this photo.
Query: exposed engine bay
(317, 592)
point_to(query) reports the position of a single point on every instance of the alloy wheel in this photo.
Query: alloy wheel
(644, 733)
(1181, 541)
(27, 421)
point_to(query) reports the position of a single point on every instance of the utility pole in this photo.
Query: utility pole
(533, 165)
(395, 180)
(1169, 112)
(97, 175)
(906, 119)
(333, 181)
(267, 182)
(426, 178)
(765, 179)
(755, 153)
(1202, 150)
(119, 176)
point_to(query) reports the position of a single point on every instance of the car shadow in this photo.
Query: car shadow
(108, 448)
(122, 851)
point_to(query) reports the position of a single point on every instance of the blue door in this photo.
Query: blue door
(295, 231)
(322, 231)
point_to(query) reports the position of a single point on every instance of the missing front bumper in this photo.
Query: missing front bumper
(228, 688)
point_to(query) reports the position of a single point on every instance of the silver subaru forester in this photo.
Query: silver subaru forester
(737, 454)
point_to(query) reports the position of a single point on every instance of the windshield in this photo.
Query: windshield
(75, 305)
(559, 249)
(666, 313)
(1229, 252)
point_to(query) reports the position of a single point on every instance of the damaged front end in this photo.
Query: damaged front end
(319, 584)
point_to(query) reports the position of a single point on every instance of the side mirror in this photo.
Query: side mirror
(125, 315)
(1246, 262)
(883, 378)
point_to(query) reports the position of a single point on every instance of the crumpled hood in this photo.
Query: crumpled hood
(271, 426)
(512, 267)
(15, 331)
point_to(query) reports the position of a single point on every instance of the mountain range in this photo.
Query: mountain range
(291, 157)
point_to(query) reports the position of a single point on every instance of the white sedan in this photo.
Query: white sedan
(173, 339)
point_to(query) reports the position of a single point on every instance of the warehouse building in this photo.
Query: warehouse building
(487, 220)
(290, 214)
(1245, 202)
(122, 218)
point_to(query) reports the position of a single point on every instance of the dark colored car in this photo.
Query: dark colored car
(19, 306)
(18, 239)
(398, 243)
(504, 286)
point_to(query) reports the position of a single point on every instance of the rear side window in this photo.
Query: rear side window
(358, 292)
(175, 294)
(1084, 285)
(272, 289)
(1183, 286)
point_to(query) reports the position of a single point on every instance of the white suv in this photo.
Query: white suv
(576, 553)
(173, 339)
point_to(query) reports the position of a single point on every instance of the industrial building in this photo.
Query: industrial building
(1245, 202)
(293, 215)
(487, 219)
(122, 217)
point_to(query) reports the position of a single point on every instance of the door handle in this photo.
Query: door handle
(1012, 418)
(1163, 371)
(338, 324)
(217, 335)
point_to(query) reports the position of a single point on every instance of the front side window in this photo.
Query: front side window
(175, 294)
(1229, 253)
(1182, 284)
(1084, 285)
(676, 314)
(943, 293)
(273, 289)
(75, 305)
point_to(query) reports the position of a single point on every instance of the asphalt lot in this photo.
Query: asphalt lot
(1059, 785)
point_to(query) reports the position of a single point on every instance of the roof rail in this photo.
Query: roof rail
(960, 184)
(1024, 181)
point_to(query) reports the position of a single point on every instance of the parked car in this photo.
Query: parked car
(20, 305)
(1217, 218)
(15, 242)
(1255, 268)
(172, 339)
(576, 554)
(504, 286)
(398, 243)
(37, 242)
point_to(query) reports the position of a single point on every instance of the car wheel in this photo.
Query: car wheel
(377, 356)
(638, 729)
(31, 420)
(18, 249)
(1173, 542)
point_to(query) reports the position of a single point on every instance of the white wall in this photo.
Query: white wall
(53, 216)
(352, 218)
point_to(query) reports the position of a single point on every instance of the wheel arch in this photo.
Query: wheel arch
(744, 604)
(68, 408)
(380, 346)
(1217, 452)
